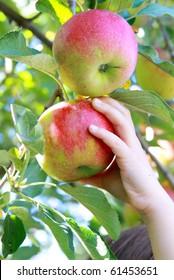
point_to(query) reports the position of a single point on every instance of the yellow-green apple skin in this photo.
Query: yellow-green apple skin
(151, 77)
(70, 152)
(96, 52)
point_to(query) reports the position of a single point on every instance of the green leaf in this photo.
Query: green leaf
(1, 201)
(137, 3)
(4, 199)
(28, 128)
(62, 227)
(147, 102)
(18, 41)
(4, 158)
(42, 62)
(34, 174)
(91, 241)
(25, 253)
(15, 156)
(95, 200)
(124, 5)
(156, 10)
(56, 8)
(13, 236)
(152, 55)
(21, 53)
(62, 233)
(156, 122)
(19, 211)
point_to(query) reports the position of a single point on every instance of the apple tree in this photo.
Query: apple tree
(36, 210)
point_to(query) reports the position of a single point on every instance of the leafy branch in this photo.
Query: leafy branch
(24, 22)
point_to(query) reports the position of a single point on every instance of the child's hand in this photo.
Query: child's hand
(131, 178)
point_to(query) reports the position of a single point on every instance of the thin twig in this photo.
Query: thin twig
(34, 17)
(161, 167)
(57, 93)
(72, 5)
(4, 179)
(166, 39)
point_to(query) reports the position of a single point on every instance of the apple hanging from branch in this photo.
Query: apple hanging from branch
(151, 77)
(70, 152)
(96, 52)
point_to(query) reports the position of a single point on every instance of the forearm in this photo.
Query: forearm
(160, 225)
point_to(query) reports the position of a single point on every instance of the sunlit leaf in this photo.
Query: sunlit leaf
(92, 242)
(4, 158)
(95, 200)
(18, 41)
(1, 213)
(56, 8)
(21, 53)
(4, 199)
(15, 156)
(147, 102)
(28, 128)
(62, 232)
(20, 211)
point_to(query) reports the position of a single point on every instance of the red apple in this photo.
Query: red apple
(151, 77)
(70, 152)
(96, 52)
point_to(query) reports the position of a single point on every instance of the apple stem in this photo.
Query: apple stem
(103, 67)
(64, 94)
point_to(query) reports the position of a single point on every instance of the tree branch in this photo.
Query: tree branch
(57, 93)
(34, 17)
(166, 39)
(23, 22)
(72, 5)
(161, 167)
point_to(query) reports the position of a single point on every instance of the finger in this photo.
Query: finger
(119, 148)
(117, 105)
(122, 126)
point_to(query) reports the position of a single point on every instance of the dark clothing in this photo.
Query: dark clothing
(133, 244)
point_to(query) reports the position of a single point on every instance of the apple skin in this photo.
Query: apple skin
(71, 153)
(96, 52)
(151, 77)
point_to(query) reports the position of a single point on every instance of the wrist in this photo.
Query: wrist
(158, 207)
(160, 226)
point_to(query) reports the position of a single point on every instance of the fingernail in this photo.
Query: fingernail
(93, 128)
(97, 102)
